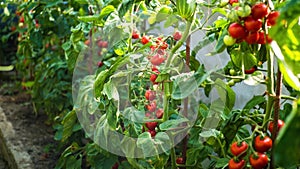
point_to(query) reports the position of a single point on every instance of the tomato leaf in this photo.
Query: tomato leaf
(171, 124)
(256, 100)
(287, 142)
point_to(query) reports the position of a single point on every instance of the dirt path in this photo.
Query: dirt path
(31, 135)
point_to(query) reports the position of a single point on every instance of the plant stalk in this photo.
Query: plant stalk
(186, 100)
(270, 86)
(276, 114)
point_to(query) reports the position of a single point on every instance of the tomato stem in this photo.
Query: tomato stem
(180, 42)
(276, 114)
(270, 86)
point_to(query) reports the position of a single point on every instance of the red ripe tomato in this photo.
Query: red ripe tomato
(87, 42)
(252, 37)
(100, 64)
(154, 69)
(159, 113)
(250, 71)
(280, 125)
(13, 28)
(252, 25)
(22, 19)
(115, 166)
(151, 125)
(237, 31)
(151, 107)
(150, 95)
(262, 144)
(180, 160)
(233, 1)
(272, 17)
(177, 35)
(157, 59)
(102, 44)
(145, 40)
(236, 165)
(135, 35)
(260, 161)
(152, 133)
(164, 45)
(153, 78)
(238, 149)
(263, 39)
(259, 11)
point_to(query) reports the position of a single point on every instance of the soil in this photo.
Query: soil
(32, 133)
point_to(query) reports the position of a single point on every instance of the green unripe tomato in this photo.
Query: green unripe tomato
(231, 82)
(232, 16)
(232, 72)
(228, 40)
(223, 3)
(244, 11)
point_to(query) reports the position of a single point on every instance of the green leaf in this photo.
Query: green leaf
(125, 7)
(222, 162)
(245, 57)
(171, 124)
(287, 143)
(68, 123)
(106, 11)
(146, 143)
(6, 68)
(89, 18)
(287, 45)
(73, 163)
(226, 94)
(171, 20)
(256, 100)
(186, 83)
(210, 133)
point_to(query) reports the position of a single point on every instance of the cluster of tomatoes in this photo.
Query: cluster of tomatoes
(258, 158)
(102, 47)
(248, 23)
(157, 55)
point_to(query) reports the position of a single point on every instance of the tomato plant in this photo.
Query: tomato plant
(140, 86)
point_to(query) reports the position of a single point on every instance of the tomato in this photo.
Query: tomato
(272, 17)
(239, 149)
(280, 125)
(100, 64)
(228, 40)
(232, 72)
(180, 160)
(244, 11)
(102, 44)
(145, 40)
(150, 95)
(233, 1)
(151, 125)
(87, 42)
(152, 133)
(237, 31)
(135, 35)
(159, 113)
(260, 161)
(177, 35)
(22, 20)
(259, 11)
(13, 28)
(151, 107)
(157, 59)
(252, 37)
(251, 70)
(154, 69)
(253, 25)
(231, 83)
(262, 144)
(236, 164)
(153, 78)
(164, 45)
(115, 166)
(263, 39)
